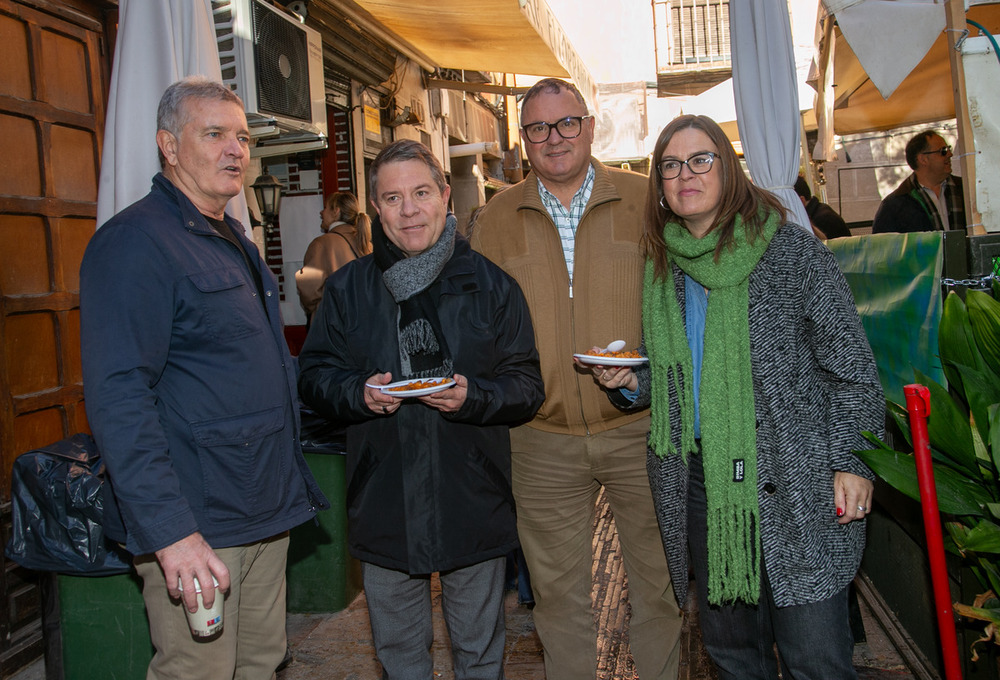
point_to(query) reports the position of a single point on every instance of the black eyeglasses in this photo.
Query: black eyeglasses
(699, 164)
(943, 151)
(569, 127)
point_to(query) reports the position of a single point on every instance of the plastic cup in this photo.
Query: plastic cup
(206, 621)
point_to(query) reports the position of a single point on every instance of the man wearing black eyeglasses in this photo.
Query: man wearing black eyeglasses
(569, 234)
(931, 198)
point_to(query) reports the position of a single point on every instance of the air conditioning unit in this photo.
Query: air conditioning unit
(275, 64)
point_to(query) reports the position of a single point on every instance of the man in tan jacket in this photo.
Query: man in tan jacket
(569, 234)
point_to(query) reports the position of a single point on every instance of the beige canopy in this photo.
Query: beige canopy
(924, 95)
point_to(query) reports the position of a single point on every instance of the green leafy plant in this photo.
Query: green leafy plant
(964, 433)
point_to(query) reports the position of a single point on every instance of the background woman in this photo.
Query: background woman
(346, 236)
(760, 381)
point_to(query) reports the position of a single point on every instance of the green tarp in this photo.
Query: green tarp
(896, 281)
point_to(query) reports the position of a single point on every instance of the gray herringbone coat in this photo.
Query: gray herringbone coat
(816, 389)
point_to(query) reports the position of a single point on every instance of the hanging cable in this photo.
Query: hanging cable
(996, 48)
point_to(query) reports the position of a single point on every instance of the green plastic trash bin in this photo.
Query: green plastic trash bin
(322, 576)
(103, 625)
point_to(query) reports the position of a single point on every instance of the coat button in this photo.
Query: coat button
(770, 488)
(268, 293)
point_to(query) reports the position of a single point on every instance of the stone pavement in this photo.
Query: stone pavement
(339, 646)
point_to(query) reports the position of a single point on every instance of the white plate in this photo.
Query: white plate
(595, 360)
(386, 389)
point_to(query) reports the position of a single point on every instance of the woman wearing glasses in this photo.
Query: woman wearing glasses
(760, 381)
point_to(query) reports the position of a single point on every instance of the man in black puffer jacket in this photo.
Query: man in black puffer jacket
(428, 475)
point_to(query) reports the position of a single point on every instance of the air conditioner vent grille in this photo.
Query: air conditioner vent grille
(281, 54)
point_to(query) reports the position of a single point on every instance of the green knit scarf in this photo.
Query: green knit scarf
(726, 401)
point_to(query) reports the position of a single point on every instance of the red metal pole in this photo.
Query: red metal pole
(918, 404)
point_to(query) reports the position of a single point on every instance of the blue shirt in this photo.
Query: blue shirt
(695, 306)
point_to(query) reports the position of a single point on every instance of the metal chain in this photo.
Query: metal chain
(980, 283)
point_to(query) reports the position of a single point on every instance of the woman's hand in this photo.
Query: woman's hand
(852, 495)
(611, 377)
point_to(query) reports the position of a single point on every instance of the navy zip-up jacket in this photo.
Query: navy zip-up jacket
(189, 386)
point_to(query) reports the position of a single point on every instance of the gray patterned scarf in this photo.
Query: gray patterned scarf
(423, 351)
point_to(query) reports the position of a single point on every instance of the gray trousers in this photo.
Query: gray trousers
(399, 607)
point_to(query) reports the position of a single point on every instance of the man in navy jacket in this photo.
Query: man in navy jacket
(190, 392)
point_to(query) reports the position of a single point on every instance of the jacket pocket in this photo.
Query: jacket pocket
(228, 305)
(244, 471)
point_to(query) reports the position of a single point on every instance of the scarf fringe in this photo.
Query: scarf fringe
(731, 576)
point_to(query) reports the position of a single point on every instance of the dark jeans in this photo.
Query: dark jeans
(814, 640)
(518, 576)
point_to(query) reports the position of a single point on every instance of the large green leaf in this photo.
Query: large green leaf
(980, 613)
(994, 439)
(899, 414)
(871, 437)
(956, 493)
(984, 318)
(982, 538)
(981, 390)
(948, 427)
(989, 574)
(957, 534)
(956, 344)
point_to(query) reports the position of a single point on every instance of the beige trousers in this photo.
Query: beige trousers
(252, 643)
(557, 479)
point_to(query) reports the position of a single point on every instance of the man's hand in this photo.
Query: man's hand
(451, 399)
(376, 400)
(186, 560)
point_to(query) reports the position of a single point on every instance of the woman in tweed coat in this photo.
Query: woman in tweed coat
(760, 381)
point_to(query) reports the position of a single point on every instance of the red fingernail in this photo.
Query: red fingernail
(840, 512)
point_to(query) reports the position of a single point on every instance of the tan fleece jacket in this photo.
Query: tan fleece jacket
(517, 233)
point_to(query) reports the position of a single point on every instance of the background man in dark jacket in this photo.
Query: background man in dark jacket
(191, 396)
(823, 217)
(428, 476)
(931, 198)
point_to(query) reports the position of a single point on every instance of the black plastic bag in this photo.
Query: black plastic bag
(321, 435)
(57, 511)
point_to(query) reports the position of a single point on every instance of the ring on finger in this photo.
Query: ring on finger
(862, 508)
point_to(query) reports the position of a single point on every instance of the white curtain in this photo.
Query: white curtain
(159, 42)
(767, 98)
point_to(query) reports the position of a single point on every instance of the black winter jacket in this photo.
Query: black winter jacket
(426, 491)
(907, 209)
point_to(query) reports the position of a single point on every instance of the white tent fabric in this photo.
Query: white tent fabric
(767, 100)
(158, 44)
(821, 78)
(889, 37)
